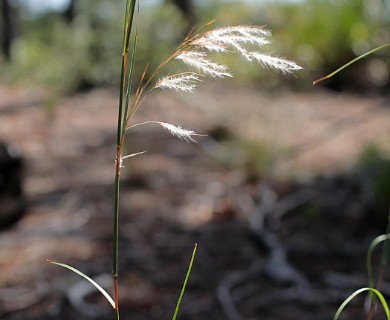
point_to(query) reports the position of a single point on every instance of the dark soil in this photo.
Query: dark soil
(286, 239)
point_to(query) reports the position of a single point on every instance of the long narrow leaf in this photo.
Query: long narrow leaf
(386, 246)
(373, 245)
(185, 283)
(93, 282)
(330, 75)
(130, 7)
(129, 18)
(356, 293)
(130, 81)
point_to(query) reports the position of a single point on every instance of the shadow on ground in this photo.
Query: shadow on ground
(271, 246)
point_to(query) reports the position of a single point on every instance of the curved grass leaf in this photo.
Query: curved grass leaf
(373, 245)
(93, 282)
(356, 293)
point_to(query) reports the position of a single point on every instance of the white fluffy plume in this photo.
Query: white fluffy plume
(182, 82)
(243, 40)
(179, 132)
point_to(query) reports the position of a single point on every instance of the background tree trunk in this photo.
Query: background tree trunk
(8, 28)
(70, 12)
(187, 7)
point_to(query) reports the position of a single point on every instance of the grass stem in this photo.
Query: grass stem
(183, 289)
(125, 87)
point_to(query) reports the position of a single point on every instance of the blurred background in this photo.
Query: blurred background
(76, 47)
(283, 195)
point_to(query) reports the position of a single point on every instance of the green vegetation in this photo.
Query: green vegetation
(78, 56)
(374, 284)
(374, 165)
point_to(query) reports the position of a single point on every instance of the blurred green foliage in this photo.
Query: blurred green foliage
(320, 35)
(326, 34)
(374, 165)
(373, 169)
(67, 57)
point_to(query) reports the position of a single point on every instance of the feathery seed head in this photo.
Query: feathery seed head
(240, 34)
(179, 132)
(237, 39)
(276, 63)
(199, 61)
(232, 38)
(210, 45)
(182, 82)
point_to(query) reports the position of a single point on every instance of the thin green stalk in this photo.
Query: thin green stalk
(129, 84)
(129, 17)
(126, 74)
(382, 238)
(116, 233)
(351, 62)
(120, 107)
(386, 245)
(371, 280)
(385, 253)
(183, 289)
(125, 83)
(373, 245)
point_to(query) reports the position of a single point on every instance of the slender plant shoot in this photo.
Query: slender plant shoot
(194, 54)
(185, 283)
(330, 75)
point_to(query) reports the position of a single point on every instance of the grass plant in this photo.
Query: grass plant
(373, 284)
(195, 54)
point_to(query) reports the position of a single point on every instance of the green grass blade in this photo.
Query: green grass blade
(351, 62)
(130, 81)
(93, 282)
(356, 293)
(185, 283)
(130, 7)
(373, 245)
(129, 18)
(386, 246)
